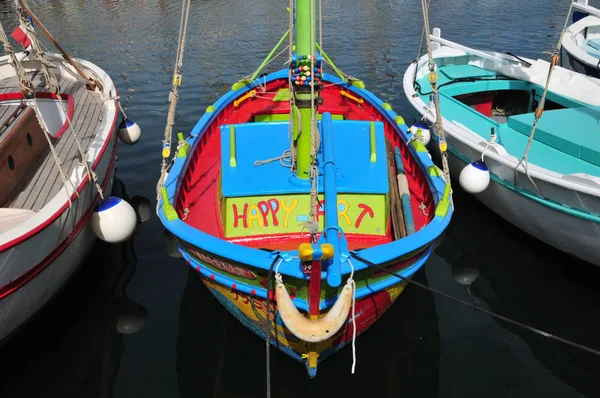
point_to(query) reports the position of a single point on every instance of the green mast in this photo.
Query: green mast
(306, 33)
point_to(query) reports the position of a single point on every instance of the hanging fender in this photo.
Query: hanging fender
(313, 330)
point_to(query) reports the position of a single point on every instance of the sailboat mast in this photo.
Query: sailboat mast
(306, 33)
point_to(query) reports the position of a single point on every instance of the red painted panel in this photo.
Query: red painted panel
(314, 288)
(482, 102)
(292, 241)
(200, 188)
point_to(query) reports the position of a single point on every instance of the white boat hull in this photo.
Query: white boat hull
(39, 254)
(559, 209)
(36, 269)
(580, 66)
(20, 306)
(579, 60)
(569, 234)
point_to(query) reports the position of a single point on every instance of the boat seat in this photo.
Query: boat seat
(10, 218)
(269, 199)
(268, 140)
(574, 131)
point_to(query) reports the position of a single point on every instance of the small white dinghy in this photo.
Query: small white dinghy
(581, 41)
(489, 102)
(54, 112)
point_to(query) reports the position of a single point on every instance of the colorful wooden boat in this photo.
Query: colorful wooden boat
(243, 221)
(47, 195)
(488, 101)
(581, 41)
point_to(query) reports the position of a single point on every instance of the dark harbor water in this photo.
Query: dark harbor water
(425, 345)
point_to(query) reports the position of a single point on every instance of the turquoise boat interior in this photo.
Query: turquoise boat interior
(567, 138)
(592, 47)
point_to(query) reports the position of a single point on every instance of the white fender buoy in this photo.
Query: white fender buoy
(421, 132)
(313, 330)
(475, 177)
(129, 132)
(114, 220)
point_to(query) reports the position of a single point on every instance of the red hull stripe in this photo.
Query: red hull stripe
(34, 271)
(53, 218)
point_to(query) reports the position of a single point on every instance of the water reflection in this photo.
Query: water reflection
(73, 347)
(512, 274)
(398, 356)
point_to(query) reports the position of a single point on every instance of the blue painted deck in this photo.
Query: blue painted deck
(567, 141)
(355, 173)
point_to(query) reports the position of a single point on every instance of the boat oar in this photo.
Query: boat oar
(395, 203)
(404, 193)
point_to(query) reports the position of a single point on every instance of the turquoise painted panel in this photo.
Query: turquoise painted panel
(462, 71)
(545, 133)
(487, 84)
(591, 155)
(456, 89)
(594, 43)
(575, 131)
(454, 110)
(515, 142)
(591, 50)
(355, 173)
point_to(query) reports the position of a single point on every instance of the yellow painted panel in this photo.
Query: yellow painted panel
(279, 214)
